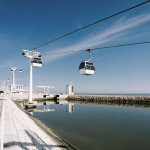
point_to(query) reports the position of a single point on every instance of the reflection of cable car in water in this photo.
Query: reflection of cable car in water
(37, 61)
(86, 67)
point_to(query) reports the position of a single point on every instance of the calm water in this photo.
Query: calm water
(98, 127)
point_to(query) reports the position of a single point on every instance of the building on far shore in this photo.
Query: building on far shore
(70, 89)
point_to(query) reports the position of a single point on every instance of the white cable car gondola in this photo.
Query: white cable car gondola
(86, 67)
(35, 57)
(36, 62)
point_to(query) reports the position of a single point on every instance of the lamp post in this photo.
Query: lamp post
(13, 70)
(35, 61)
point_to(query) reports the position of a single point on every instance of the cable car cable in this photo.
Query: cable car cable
(93, 23)
(122, 45)
(93, 49)
(99, 48)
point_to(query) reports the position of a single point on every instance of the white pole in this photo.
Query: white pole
(13, 77)
(30, 84)
(13, 69)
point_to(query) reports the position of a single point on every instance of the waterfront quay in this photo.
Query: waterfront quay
(105, 99)
(18, 131)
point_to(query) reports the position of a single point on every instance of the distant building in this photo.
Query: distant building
(69, 89)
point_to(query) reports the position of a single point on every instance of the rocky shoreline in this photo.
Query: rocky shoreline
(126, 100)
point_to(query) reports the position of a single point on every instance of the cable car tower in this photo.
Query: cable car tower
(86, 67)
(35, 61)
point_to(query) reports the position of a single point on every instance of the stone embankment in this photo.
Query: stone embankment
(127, 100)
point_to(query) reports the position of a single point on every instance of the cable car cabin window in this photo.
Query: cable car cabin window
(82, 65)
(90, 67)
(40, 62)
(36, 60)
(89, 63)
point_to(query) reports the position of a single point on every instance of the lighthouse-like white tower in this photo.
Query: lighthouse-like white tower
(70, 89)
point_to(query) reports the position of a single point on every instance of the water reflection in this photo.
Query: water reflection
(98, 126)
(70, 108)
(48, 106)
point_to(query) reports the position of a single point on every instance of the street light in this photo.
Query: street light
(13, 70)
(35, 61)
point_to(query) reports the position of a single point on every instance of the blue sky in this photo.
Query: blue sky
(118, 70)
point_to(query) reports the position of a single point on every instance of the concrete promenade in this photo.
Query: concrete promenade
(19, 131)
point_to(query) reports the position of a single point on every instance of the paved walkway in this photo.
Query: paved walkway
(21, 133)
(1, 104)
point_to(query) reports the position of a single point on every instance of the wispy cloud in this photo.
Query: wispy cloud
(115, 31)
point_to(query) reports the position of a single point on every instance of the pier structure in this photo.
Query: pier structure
(111, 99)
(22, 93)
(19, 132)
(46, 91)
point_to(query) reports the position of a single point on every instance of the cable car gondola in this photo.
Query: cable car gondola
(86, 67)
(36, 62)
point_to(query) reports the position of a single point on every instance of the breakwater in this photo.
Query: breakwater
(125, 100)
